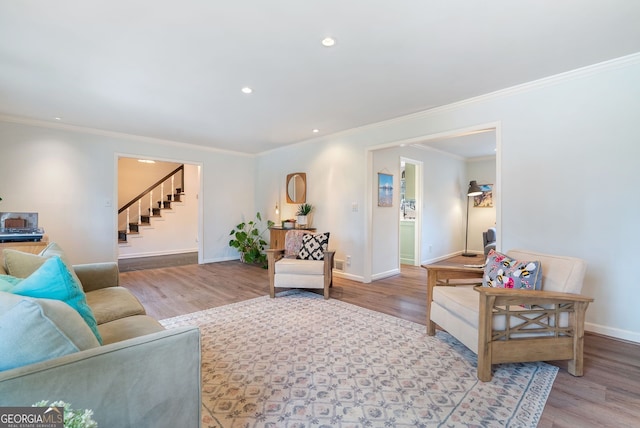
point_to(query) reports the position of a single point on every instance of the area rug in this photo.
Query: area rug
(301, 361)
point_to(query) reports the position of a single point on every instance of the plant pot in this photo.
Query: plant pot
(302, 220)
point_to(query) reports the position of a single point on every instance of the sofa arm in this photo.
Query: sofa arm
(148, 381)
(94, 276)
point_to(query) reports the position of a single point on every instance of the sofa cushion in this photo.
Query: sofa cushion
(112, 303)
(314, 246)
(128, 328)
(504, 272)
(52, 280)
(33, 330)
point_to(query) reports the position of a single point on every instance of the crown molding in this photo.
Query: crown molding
(555, 79)
(114, 134)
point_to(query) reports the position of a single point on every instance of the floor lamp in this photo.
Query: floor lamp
(474, 190)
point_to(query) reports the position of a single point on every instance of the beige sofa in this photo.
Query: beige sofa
(141, 376)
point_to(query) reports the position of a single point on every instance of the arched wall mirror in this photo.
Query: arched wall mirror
(297, 188)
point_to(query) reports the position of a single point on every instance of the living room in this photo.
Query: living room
(566, 156)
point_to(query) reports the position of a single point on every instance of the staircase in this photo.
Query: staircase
(142, 209)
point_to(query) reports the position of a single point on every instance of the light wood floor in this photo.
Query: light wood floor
(608, 395)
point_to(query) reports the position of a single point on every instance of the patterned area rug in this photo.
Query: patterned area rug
(301, 361)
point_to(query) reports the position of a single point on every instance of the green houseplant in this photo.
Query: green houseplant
(303, 211)
(247, 239)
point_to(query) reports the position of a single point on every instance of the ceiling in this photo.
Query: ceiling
(174, 70)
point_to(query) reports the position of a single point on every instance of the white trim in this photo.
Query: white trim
(115, 134)
(632, 336)
(350, 276)
(555, 79)
(387, 274)
(157, 253)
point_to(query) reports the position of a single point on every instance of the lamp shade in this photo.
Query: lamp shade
(474, 189)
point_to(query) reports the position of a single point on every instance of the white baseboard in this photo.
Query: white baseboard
(631, 336)
(220, 259)
(157, 253)
(350, 276)
(386, 274)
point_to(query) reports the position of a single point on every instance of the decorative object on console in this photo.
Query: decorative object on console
(296, 188)
(303, 214)
(474, 190)
(247, 239)
(289, 223)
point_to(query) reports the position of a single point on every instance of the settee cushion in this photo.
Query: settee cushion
(128, 328)
(505, 272)
(314, 246)
(33, 330)
(52, 280)
(112, 303)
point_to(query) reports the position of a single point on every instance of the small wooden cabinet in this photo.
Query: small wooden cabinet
(276, 236)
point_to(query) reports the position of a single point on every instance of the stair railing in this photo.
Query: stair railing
(149, 191)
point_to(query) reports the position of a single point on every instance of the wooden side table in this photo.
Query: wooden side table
(277, 233)
(448, 275)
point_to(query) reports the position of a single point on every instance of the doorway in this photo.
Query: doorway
(166, 221)
(410, 212)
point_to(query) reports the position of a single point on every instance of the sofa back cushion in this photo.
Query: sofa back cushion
(33, 330)
(559, 273)
(52, 280)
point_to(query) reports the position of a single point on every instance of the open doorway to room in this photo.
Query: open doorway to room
(410, 211)
(450, 160)
(158, 213)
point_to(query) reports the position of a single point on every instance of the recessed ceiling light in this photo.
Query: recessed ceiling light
(315, 131)
(146, 161)
(246, 90)
(328, 42)
(58, 118)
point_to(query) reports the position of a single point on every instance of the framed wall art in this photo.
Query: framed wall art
(485, 200)
(385, 190)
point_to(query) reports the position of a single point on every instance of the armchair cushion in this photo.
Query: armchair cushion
(314, 246)
(505, 272)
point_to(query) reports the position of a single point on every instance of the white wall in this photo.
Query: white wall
(567, 160)
(70, 179)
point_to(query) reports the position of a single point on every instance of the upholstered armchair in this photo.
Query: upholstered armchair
(507, 325)
(305, 262)
(489, 240)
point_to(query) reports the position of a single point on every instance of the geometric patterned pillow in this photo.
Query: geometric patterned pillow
(314, 246)
(504, 272)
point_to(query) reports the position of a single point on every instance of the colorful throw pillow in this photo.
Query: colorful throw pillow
(504, 272)
(52, 280)
(314, 246)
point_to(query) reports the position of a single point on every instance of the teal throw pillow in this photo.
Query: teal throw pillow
(53, 280)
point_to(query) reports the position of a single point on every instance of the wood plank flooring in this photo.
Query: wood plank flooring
(608, 395)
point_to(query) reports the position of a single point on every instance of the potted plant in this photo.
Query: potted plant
(247, 239)
(303, 211)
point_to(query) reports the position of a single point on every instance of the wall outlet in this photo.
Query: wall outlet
(348, 260)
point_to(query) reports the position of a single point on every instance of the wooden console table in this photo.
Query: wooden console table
(453, 274)
(277, 233)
